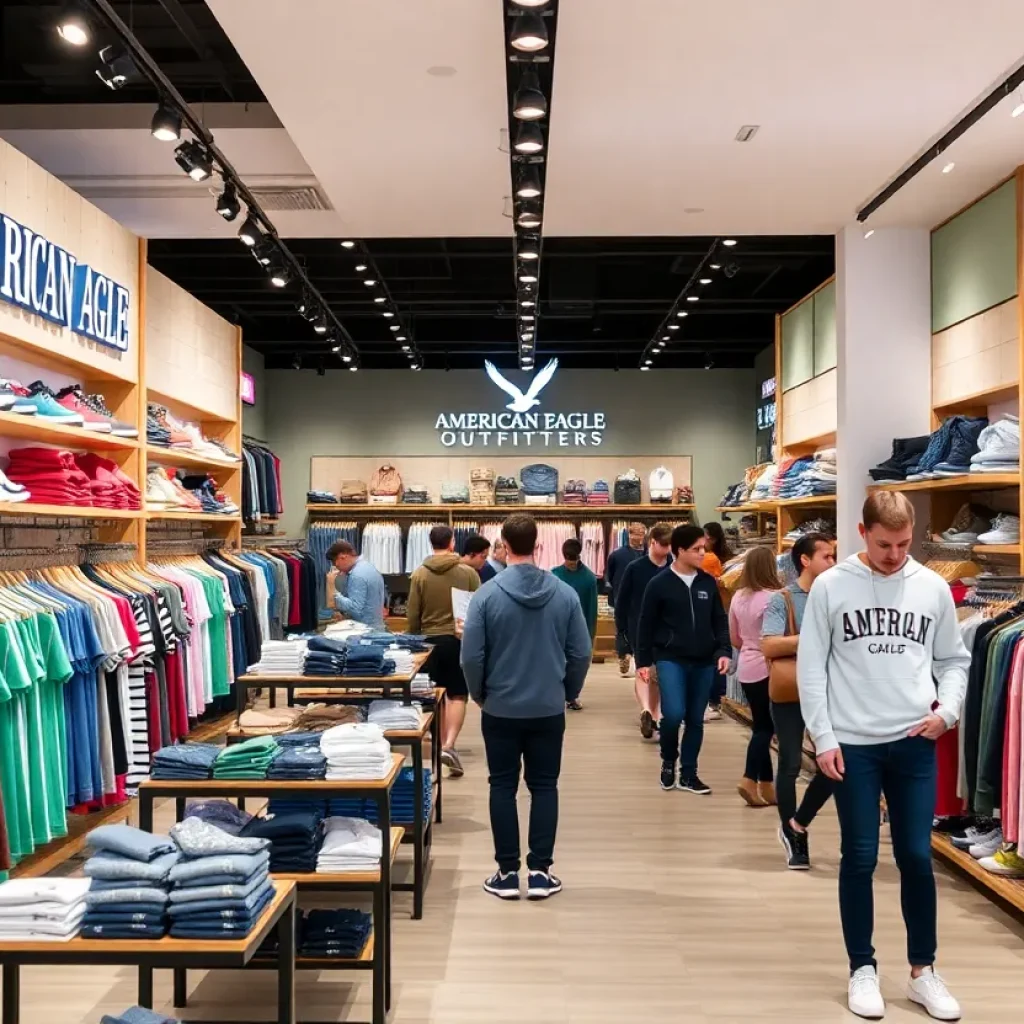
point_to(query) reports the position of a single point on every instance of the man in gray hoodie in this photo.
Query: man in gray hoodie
(525, 654)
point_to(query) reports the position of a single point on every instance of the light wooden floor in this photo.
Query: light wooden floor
(676, 907)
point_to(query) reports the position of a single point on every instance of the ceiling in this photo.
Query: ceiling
(393, 113)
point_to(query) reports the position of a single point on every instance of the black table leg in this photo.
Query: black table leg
(179, 808)
(384, 821)
(438, 732)
(379, 1002)
(241, 803)
(145, 811)
(241, 693)
(418, 829)
(273, 696)
(180, 988)
(146, 988)
(286, 967)
(11, 993)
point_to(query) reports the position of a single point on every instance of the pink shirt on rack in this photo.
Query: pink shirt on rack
(746, 614)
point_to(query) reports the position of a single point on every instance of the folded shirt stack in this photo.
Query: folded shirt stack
(185, 761)
(129, 872)
(42, 909)
(299, 762)
(334, 933)
(221, 813)
(50, 475)
(321, 498)
(599, 494)
(422, 686)
(280, 658)
(317, 717)
(268, 721)
(401, 660)
(356, 752)
(350, 844)
(137, 1015)
(108, 485)
(294, 836)
(393, 714)
(247, 760)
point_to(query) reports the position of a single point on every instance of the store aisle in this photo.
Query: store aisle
(676, 907)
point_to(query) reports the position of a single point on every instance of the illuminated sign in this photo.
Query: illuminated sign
(248, 389)
(766, 416)
(768, 387)
(521, 426)
(48, 281)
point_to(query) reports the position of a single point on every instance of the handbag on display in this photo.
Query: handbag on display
(782, 685)
(386, 481)
(627, 489)
(539, 479)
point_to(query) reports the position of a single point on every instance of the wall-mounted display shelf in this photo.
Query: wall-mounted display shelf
(968, 482)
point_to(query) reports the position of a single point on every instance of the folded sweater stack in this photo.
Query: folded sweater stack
(247, 760)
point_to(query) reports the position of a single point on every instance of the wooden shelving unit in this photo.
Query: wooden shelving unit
(39, 430)
(976, 482)
(193, 517)
(189, 460)
(461, 510)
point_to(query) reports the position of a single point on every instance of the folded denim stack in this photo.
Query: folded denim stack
(737, 494)
(221, 813)
(334, 933)
(416, 494)
(406, 641)
(599, 494)
(280, 658)
(137, 1015)
(185, 761)
(247, 760)
(294, 836)
(506, 490)
(350, 844)
(393, 714)
(129, 874)
(806, 477)
(906, 452)
(367, 660)
(949, 449)
(998, 447)
(356, 752)
(325, 657)
(299, 762)
(321, 498)
(42, 909)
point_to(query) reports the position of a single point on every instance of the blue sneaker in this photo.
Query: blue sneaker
(47, 407)
(541, 885)
(504, 885)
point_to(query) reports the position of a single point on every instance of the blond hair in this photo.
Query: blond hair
(889, 509)
(759, 571)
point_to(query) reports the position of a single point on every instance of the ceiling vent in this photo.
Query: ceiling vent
(747, 132)
(286, 197)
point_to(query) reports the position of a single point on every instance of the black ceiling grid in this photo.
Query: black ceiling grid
(531, 28)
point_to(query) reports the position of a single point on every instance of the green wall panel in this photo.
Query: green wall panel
(798, 345)
(825, 349)
(974, 259)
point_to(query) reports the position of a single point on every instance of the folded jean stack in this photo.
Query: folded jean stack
(325, 657)
(294, 836)
(810, 476)
(906, 453)
(540, 484)
(247, 760)
(356, 751)
(416, 494)
(575, 492)
(221, 885)
(350, 844)
(300, 758)
(599, 494)
(42, 909)
(506, 491)
(185, 761)
(321, 498)
(137, 1015)
(481, 486)
(763, 485)
(403, 800)
(280, 658)
(998, 447)
(333, 933)
(393, 714)
(130, 881)
(366, 660)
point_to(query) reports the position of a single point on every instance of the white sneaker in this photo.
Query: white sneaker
(1005, 530)
(987, 846)
(929, 990)
(864, 997)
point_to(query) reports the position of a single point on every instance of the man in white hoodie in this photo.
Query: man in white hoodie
(882, 672)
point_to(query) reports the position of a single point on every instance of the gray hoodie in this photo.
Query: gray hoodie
(525, 646)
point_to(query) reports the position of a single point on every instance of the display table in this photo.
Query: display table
(165, 953)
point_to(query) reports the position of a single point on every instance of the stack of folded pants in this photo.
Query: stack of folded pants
(334, 933)
(299, 762)
(294, 837)
(130, 882)
(185, 761)
(325, 657)
(350, 844)
(51, 475)
(403, 800)
(366, 660)
(356, 752)
(416, 494)
(247, 760)
(42, 909)
(321, 498)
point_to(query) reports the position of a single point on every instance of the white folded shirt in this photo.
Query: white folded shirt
(19, 891)
(53, 912)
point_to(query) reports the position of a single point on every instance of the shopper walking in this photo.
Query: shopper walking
(758, 583)
(525, 652)
(358, 588)
(627, 618)
(475, 551)
(812, 555)
(716, 554)
(495, 562)
(578, 576)
(684, 632)
(430, 613)
(614, 569)
(882, 673)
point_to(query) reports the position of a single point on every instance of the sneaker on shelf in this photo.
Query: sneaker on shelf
(117, 427)
(451, 759)
(46, 405)
(646, 724)
(1005, 530)
(13, 398)
(504, 885)
(864, 996)
(929, 990)
(187, 499)
(156, 499)
(987, 845)
(11, 492)
(176, 437)
(668, 776)
(228, 507)
(798, 857)
(968, 524)
(693, 784)
(974, 834)
(713, 713)
(200, 445)
(71, 399)
(542, 884)
(1006, 862)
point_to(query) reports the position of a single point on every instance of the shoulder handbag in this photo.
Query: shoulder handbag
(782, 687)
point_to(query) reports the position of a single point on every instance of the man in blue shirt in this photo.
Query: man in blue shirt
(365, 595)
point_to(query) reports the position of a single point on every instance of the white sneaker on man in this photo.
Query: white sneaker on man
(929, 990)
(864, 996)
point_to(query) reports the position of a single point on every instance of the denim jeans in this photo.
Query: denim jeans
(759, 748)
(789, 728)
(684, 696)
(905, 772)
(535, 745)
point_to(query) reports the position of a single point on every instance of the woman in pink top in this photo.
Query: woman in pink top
(757, 584)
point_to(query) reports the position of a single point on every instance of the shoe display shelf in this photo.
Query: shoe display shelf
(1009, 891)
(376, 954)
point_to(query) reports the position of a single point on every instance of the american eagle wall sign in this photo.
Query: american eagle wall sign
(521, 426)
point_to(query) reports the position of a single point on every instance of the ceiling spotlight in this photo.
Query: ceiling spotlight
(673, 327)
(529, 183)
(296, 362)
(645, 368)
(529, 138)
(335, 349)
(948, 167)
(166, 124)
(729, 241)
(193, 159)
(348, 245)
(528, 317)
(400, 337)
(705, 280)
(387, 314)
(661, 344)
(406, 348)
(527, 303)
(228, 205)
(529, 216)
(1017, 110)
(528, 251)
(369, 282)
(264, 253)
(527, 278)
(647, 362)
(353, 368)
(417, 365)
(682, 313)
(116, 68)
(529, 33)
(249, 233)
(530, 103)
(396, 327)
(320, 325)
(380, 300)
(664, 338)
(73, 26)
(693, 298)
(869, 233)
(532, 3)
(346, 357)
(306, 306)
(280, 276)
(715, 266)
(360, 267)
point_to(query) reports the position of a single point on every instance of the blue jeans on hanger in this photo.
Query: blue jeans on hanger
(684, 691)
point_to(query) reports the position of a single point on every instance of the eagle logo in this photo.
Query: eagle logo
(522, 402)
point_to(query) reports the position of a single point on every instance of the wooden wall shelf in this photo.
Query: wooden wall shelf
(40, 430)
(968, 482)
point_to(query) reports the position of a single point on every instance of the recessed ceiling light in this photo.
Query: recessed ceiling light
(396, 327)
(369, 282)
(1017, 110)
(529, 33)
(728, 241)
(715, 266)
(528, 303)
(645, 368)
(528, 278)
(682, 313)
(948, 167)
(673, 327)
(387, 314)
(529, 138)
(869, 232)
(360, 267)
(705, 280)
(380, 300)
(693, 298)
(348, 245)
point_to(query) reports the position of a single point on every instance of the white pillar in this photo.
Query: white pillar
(883, 326)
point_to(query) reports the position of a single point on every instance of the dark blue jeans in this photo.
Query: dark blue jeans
(905, 772)
(684, 696)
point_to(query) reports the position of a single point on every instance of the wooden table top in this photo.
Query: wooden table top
(395, 680)
(313, 878)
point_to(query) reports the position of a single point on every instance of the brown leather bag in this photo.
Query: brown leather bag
(782, 687)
